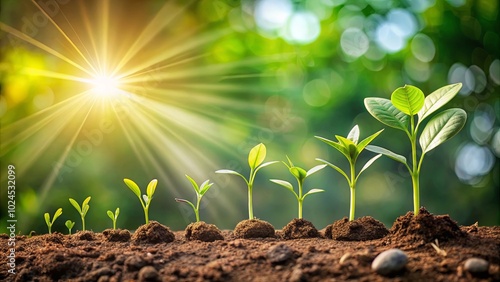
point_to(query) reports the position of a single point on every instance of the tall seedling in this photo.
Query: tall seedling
(145, 199)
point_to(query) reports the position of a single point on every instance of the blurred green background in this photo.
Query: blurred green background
(201, 83)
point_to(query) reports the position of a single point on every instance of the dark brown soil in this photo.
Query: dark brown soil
(299, 229)
(118, 235)
(360, 229)
(254, 228)
(203, 232)
(73, 257)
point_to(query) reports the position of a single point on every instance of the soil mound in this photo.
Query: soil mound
(425, 228)
(361, 229)
(253, 228)
(116, 235)
(299, 229)
(85, 235)
(153, 233)
(203, 232)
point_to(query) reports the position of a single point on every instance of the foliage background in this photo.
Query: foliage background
(278, 74)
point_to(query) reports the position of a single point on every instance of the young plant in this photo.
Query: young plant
(81, 210)
(146, 199)
(351, 149)
(200, 191)
(255, 158)
(399, 112)
(114, 216)
(51, 222)
(300, 174)
(69, 224)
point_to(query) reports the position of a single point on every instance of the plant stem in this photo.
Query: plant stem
(146, 210)
(197, 210)
(353, 192)
(83, 223)
(114, 224)
(415, 168)
(300, 199)
(250, 204)
(416, 192)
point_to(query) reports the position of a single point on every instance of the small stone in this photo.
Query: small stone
(476, 265)
(148, 273)
(389, 262)
(279, 254)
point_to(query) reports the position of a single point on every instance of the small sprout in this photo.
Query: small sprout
(300, 174)
(145, 199)
(255, 158)
(439, 251)
(351, 149)
(114, 216)
(69, 224)
(407, 103)
(51, 222)
(200, 191)
(81, 210)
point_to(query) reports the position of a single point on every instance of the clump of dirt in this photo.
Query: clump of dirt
(299, 228)
(424, 228)
(203, 232)
(85, 235)
(153, 233)
(254, 228)
(117, 235)
(361, 229)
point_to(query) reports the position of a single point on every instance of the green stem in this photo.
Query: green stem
(353, 192)
(114, 224)
(83, 223)
(416, 193)
(146, 216)
(415, 168)
(250, 204)
(197, 210)
(300, 199)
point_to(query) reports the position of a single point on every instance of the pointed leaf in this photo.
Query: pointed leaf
(336, 145)
(86, 202)
(387, 153)
(336, 168)
(228, 171)
(193, 183)
(385, 112)
(57, 214)
(264, 165)
(298, 172)
(133, 186)
(178, 200)
(441, 128)
(117, 212)
(408, 99)
(368, 164)
(354, 134)
(204, 187)
(85, 209)
(283, 183)
(289, 161)
(257, 155)
(76, 205)
(47, 218)
(315, 169)
(313, 191)
(150, 190)
(362, 145)
(437, 99)
(111, 215)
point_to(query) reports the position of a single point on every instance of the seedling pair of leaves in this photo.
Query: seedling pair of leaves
(300, 174)
(256, 162)
(200, 191)
(351, 149)
(51, 222)
(81, 210)
(406, 104)
(145, 199)
(114, 216)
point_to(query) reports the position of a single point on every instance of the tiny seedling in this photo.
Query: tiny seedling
(255, 158)
(69, 224)
(114, 216)
(81, 210)
(300, 174)
(200, 191)
(51, 222)
(146, 199)
(399, 112)
(351, 149)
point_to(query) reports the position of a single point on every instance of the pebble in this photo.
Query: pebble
(148, 273)
(390, 261)
(279, 253)
(476, 265)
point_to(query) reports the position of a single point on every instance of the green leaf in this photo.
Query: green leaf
(69, 224)
(86, 202)
(362, 145)
(193, 183)
(437, 99)
(205, 186)
(336, 145)
(354, 134)
(117, 212)
(133, 186)
(441, 128)
(337, 169)
(387, 153)
(146, 199)
(408, 99)
(257, 155)
(150, 190)
(315, 169)
(57, 214)
(111, 215)
(76, 205)
(265, 164)
(368, 164)
(47, 218)
(298, 172)
(313, 191)
(283, 183)
(85, 209)
(385, 112)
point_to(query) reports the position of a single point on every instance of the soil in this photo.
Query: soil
(150, 254)
(203, 232)
(299, 229)
(360, 229)
(254, 228)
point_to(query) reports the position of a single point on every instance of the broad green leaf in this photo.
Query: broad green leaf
(298, 172)
(362, 145)
(349, 145)
(205, 186)
(69, 224)
(441, 128)
(283, 183)
(437, 99)
(313, 191)
(76, 205)
(85, 209)
(408, 99)
(86, 202)
(385, 112)
(133, 186)
(368, 164)
(335, 145)
(387, 153)
(57, 214)
(193, 183)
(354, 134)
(315, 169)
(47, 218)
(117, 212)
(111, 215)
(257, 155)
(337, 169)
(150, 190)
